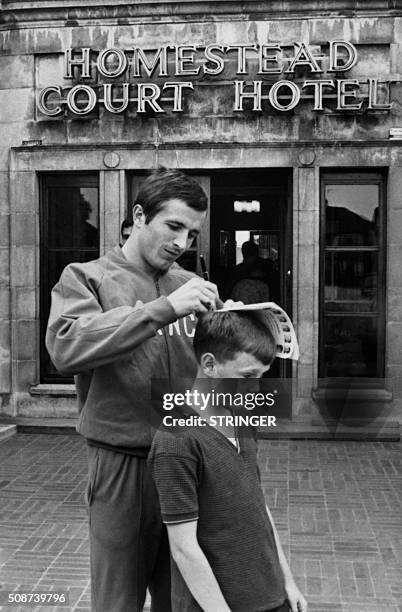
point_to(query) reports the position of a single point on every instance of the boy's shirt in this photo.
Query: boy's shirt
(200, 474)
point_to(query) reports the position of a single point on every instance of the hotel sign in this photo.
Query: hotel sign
(160, 80)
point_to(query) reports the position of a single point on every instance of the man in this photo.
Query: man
(125, 230)
(251, 280)
(249, 250)
(111, 325)
(227, 553)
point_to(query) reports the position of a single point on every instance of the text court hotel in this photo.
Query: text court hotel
(290, 116)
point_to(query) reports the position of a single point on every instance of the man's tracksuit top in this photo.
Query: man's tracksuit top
(112, 327)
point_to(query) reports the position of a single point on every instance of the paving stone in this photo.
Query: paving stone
(337, 506)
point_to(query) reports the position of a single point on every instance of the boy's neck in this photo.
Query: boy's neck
(204, 392)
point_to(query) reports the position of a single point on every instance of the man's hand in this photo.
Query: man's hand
(197, 295)
(231, 303)
(297, 603)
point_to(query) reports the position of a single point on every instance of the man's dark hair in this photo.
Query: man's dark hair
(164, 184)
(227, 333)
(125, 225)
(249, 249)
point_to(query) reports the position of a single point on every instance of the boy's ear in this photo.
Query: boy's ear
(208, 365)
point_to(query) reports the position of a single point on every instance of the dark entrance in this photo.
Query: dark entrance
(252, 206)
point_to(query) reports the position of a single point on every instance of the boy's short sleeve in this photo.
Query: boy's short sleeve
(175, 474)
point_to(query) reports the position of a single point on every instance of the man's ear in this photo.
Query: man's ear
(138, 216)
(208, 365)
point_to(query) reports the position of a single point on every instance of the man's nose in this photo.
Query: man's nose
(181, 239)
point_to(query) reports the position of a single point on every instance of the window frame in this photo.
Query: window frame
(48, 180)
(354, 177)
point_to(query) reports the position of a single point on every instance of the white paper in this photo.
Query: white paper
(280, 325)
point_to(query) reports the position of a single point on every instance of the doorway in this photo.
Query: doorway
(251, 239)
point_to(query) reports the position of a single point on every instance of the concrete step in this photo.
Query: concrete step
(41, 425)
(380, 430)
(6, 431)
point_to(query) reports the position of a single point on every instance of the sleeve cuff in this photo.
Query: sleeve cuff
(161, 312)
(171, 519)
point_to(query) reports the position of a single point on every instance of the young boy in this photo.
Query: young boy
(226, 551)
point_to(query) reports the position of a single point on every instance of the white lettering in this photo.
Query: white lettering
(265, 59)
(273, 95)
(303, 57)
(140, 59)
(373, 103)
(205, 400)
(148, 94)
(189, 334)
(174, 327)
(318, 87)
(168, 403)
(254, 95)
(107, 70)
(178, 93)
(82, 62)
(334, 58)
(214, 59)
(107, 98)
(343, 93)
(179, 399)
(72, 99)
(43, 100)
(182, 59)
(241, 56)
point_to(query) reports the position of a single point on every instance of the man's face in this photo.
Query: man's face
(169, 233)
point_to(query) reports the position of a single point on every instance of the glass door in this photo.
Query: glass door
(69, 233)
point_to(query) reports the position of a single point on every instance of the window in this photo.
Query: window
(69, 232)
(352, 276)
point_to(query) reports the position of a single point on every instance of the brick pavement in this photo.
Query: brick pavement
(337, 506)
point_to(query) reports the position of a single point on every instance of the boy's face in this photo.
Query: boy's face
(243, 365)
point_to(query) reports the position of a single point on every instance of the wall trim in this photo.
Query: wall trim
(19, 13)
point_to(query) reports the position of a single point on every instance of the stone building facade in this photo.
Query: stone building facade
(293, 105)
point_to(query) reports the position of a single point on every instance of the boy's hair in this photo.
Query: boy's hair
(164, 184)
(227, 333)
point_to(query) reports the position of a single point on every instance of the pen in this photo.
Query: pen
(204, 270)
(205, 275)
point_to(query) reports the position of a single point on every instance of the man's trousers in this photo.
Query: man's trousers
(128, 541)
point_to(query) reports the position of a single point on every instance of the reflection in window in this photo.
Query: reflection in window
(351, 215)
(352, 277)
(351, 281)
(69, 233)
(351, 346)
(73, 217)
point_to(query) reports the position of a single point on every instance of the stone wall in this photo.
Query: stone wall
(208, 134)
(33, 58)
